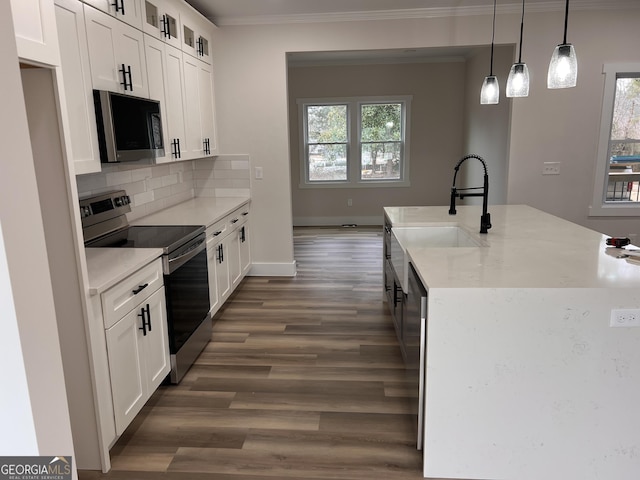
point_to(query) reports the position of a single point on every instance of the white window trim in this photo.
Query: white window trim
(600, 208)
(353, 146)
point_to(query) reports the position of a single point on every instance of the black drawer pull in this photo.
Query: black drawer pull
(140, 288)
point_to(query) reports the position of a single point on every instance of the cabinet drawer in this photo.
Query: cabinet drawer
(218, 230)
(123, 297)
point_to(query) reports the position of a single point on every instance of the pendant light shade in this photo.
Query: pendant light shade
(563, 68)
(490, 92)
(518, 81)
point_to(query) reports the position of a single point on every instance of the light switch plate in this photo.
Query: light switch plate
(551, 168)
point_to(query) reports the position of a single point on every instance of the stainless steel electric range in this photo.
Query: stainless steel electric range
(184, 263)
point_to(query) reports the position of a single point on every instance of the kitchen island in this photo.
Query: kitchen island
(525, 377)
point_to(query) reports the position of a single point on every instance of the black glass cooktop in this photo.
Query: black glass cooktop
(168, 237)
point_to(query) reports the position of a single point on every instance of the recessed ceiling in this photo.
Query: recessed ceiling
(247, 12)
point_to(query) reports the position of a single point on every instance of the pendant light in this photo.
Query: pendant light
(490, 93)
(563, 68)
(518, 81)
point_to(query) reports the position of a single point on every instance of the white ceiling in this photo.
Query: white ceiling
(247, 12)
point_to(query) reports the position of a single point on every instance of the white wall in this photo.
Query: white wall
(28, 268)
(252, 103)
(563, 125)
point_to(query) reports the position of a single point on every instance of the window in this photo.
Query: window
(354, 142)
(617, 189)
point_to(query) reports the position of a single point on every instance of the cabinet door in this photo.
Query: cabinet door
(112, 46)
(162, 20)
(234, 257)
(212, 260)
(207, 109)
(34, 23)
(128, 11)
(174, 107)
(128, 384)
(245, 250)
(193, 122)
(157, 80)
(222, 269)
(78, 93)
(156, 343)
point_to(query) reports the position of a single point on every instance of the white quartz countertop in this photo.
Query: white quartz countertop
(108, 266)
(525, 248)
(197, 211)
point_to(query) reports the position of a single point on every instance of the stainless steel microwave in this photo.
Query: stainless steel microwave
(129, 128)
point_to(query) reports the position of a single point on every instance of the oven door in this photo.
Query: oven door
(187, 292)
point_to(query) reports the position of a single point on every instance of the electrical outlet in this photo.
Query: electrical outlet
(349, 202)
(551, 168)
(625, 317)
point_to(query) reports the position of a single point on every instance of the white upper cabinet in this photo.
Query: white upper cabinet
(196, 36)
(129, 11)
(34, 22)
(78, 94)
(207, 110)
(117, 55)
(194, 145)
(174, 105)
(162, 20)
(157, 80)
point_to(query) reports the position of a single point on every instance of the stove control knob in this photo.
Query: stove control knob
(118, 201)
(85, 212)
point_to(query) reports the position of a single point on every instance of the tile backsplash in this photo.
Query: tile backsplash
(156, 187)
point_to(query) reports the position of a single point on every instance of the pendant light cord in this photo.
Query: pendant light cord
(521, 30)
(493, 34)
(566, 20)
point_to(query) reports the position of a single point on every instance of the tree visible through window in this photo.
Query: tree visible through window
(381, 141)
(327, 141)
(355, 141)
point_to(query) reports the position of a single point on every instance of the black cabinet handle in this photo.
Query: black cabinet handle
(199, 48)
(145, 315)
(242, 235)
(235, 220)
(166, 26)
(127, 81)
(175, 148)
(220, 253)
(119, 8)
(123, 71)
(140, 288)
(205, 143)
(215, 234)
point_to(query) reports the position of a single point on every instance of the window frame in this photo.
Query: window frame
(599, 206)
(354, 146)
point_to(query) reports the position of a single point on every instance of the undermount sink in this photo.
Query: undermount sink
(436, 236)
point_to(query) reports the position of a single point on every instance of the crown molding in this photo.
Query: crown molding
(421, 13)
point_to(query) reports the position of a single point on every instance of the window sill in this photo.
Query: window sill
(367, 184)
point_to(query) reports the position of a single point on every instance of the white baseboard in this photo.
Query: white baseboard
(365, 220)
(272, 270)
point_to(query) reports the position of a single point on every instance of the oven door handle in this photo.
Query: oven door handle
(192, 251)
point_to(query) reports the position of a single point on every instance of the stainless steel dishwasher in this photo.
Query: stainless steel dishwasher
(414, 335)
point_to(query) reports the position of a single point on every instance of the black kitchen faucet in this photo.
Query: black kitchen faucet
(485, 219)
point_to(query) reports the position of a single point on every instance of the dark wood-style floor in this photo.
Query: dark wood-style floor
(303, 379)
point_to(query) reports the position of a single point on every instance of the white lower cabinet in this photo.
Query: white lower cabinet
(137, 346)
(229, 255)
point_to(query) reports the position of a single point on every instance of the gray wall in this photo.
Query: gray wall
(440, 133)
